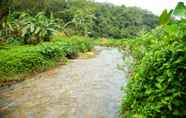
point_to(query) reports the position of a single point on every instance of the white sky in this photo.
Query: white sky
(156, 6)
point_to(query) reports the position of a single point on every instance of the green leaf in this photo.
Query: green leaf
(32, 28)
(165, 17)
(24, 31)
(180, 9)
(38, 29)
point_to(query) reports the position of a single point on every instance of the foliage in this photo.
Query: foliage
(29, 5)
(93, 19)
(178, 12)
(30, 29)
(165, 17)
(112, 42)
(157, 85)
(4, 4)
(21, 60)
(121, 22)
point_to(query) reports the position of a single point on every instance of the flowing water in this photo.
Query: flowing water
(88, 88)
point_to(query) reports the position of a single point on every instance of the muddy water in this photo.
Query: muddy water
(82, 89)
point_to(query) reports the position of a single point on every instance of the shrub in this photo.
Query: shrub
(83, 44)
(73, 45)
(157, 87)
(22, 60)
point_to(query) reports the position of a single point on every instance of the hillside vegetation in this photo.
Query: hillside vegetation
(93, 19)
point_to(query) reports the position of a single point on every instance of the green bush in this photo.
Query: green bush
(73, 45)
(83, 46)
(22, 60)
(157, 87)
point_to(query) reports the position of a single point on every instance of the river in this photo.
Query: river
(84, 88)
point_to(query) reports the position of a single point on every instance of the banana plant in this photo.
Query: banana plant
(180, 10)
(38, 28)
(31, 29)
(179, 13)
(10, 27)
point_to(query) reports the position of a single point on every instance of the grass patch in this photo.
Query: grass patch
(18, 61)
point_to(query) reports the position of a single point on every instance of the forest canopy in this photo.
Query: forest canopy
(93, 19)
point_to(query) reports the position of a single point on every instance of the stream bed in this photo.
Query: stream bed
(85, 88)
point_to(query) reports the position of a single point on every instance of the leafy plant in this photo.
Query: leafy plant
(157, 86)
(93, 19)
(29, 29)
(179, 11)
(165, 17)
(38, 28)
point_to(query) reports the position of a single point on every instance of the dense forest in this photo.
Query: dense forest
(93, 19)
(36, 35)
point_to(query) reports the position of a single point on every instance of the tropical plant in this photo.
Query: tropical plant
(157, 86)
(179, 12)
(93, 19)
(38, 28)
(29, 29)
(165, 17)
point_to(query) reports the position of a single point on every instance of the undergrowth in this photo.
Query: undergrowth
(157, 86)
(18, 61)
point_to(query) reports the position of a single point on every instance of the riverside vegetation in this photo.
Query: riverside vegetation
(17, 61)
(37, 34)
(156, 87)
